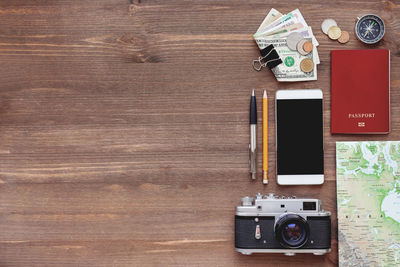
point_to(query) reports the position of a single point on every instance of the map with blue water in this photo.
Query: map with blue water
(368, 201)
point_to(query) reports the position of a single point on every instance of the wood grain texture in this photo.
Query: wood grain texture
(124, 127)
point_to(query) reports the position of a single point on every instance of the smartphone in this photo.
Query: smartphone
(299, 137)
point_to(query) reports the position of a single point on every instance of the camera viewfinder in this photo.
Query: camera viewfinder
(309, 206)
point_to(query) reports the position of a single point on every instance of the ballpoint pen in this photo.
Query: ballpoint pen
(253, 139)
(265, 138)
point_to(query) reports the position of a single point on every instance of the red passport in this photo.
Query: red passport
(360, 81)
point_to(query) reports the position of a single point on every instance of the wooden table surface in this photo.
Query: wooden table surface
(124, 127)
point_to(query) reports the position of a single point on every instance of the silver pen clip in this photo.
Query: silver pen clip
(252, 163)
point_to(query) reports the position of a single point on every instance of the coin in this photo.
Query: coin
(300, 47)
(334, 32)
(307, 47)
(293, 39)
(344, 38)
(306, 65)
(326, 24)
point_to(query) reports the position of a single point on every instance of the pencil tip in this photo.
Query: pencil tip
(252, 93)
(265, 94)
(265, 177)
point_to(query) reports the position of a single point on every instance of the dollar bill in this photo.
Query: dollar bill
(289, 70)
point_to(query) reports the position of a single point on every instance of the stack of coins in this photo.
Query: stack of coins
(330, 28)
(296, 42)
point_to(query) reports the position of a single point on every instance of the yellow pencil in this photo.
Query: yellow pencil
(265, 138)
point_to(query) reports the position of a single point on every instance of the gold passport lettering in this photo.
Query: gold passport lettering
(361, 115)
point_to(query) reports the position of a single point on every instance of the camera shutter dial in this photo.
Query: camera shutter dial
(247, 201)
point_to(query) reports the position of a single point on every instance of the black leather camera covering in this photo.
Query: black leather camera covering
(320, 233)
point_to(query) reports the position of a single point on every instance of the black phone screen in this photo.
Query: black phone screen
(300, 148)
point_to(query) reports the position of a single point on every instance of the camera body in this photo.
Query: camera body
(273, 224)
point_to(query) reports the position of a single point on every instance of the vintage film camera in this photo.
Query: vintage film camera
(272, 224)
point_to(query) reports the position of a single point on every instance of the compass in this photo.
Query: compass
(370, 29)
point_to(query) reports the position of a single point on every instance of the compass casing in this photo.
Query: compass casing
(380, 31)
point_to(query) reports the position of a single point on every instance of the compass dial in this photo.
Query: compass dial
(370, 29)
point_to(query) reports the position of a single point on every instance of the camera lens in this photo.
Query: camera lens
(292, 231)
